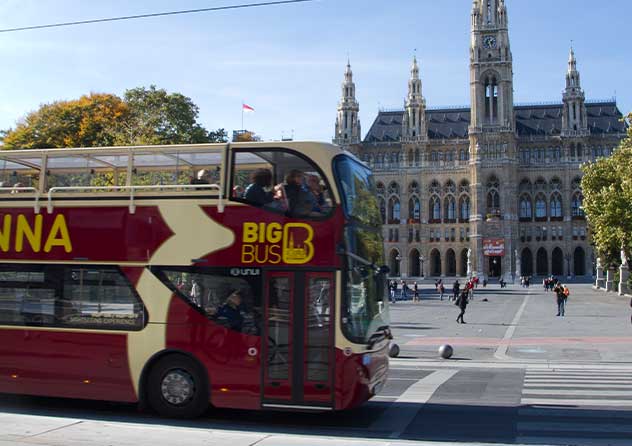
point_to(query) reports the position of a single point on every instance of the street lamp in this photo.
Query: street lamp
(398, 258)
(421, 260)
(568, 265)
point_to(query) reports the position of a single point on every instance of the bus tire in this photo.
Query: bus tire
(177, 387)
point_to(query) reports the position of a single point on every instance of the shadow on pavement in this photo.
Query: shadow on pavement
(466, 423)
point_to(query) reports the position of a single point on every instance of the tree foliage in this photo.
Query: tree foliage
(143, 116)
(85, 122)
(607, 188)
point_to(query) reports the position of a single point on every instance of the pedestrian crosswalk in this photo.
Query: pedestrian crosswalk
(588, 406)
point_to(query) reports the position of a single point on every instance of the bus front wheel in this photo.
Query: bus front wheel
(177, 387)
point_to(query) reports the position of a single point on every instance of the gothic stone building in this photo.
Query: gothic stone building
(498, 178)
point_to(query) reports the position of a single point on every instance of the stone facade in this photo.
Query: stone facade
(499, 179)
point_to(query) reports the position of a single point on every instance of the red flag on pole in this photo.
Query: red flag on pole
(247, 108)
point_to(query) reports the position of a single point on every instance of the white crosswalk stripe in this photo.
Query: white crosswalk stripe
(557, 402)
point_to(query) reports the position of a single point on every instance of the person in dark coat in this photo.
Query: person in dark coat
(230, 312)
(258, 192)
(300, 200)
(456, 288)
(462, 304)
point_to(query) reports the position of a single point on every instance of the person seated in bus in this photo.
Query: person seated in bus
(315, 188)
(229, 314)
(259, 192)
(238, 192)
(301, 202)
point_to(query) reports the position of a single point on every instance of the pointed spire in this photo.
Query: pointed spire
(572, 61)
(414, 70)
(348, 72)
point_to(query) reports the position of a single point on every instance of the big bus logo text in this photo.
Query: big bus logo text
(17, 232)
(273, 243)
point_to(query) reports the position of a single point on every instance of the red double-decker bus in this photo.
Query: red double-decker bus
(241, 275)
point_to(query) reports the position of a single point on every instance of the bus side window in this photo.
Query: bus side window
(233, 302)
(280, 181)
(68, 296)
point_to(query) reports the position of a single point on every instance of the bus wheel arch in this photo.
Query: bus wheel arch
(175, 384)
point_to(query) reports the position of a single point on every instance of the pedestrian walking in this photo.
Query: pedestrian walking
(561, 299)
(415, 292)
(404, 290)
(462, 302)
(392, 286)
(441, 291)
(455, 290)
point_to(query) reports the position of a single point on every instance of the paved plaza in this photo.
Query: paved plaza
(519, 375)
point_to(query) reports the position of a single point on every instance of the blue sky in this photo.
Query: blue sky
(288, 61)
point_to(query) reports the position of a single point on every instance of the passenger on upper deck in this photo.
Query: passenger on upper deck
(313, 183)
(301, 201)
(258, 192)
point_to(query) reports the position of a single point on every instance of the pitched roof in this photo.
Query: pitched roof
(542, 120)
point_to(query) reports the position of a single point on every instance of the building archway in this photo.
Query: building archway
(413, 261)
(579, 262)
(557, 262)
(393, 263)
(450, 263)
(542, 263)
(526, 262)
(435, 263)
(463, 270)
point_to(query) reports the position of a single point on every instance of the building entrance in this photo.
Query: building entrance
(495, 266)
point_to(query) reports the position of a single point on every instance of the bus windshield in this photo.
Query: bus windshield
(363, 312)
(357, 190)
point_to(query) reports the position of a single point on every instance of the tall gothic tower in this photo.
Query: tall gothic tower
(491, 71)
(493, 161)
(348, 130)
(575, 117)
(414, 127)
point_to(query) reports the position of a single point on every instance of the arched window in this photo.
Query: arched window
(434, 187)
(394, 260)
(414, 209)
(493, 202)
(394, 211)
(493, 196)
(464, 207)
(435, 209)
(382, 204)
(417, 157)
(540, 207)
(556, 206)
(491, 99)
(576, 205)
(380, 188)
(450, 209)
(526, 210)
(413, 188)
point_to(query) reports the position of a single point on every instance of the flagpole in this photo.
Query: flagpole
(242, 115)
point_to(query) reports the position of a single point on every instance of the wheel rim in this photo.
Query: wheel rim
(177, 387)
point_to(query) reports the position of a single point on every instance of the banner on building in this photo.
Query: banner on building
(494, 247)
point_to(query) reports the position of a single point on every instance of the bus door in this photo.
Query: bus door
(298, 354)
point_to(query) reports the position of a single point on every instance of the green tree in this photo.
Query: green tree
(607, 188)
(158, 117)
